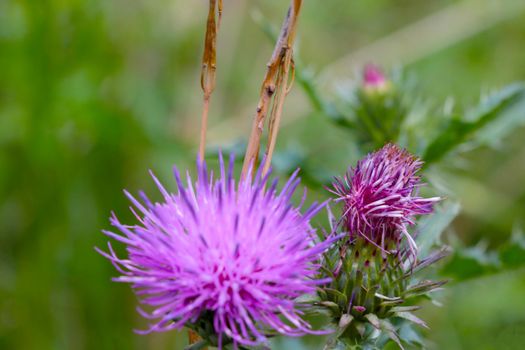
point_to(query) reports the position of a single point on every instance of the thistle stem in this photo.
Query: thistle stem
(275, 82)
(209, 66)
(208, 74)
(204, 126)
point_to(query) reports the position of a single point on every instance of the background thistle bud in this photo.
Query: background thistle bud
(376, 107)
(374, 287)
(374, 80)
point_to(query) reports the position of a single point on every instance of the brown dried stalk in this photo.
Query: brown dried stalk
(209, 67)
(277, 108)
(208, 75)
(275, 85)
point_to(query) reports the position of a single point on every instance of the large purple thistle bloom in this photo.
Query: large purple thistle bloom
(380, 198)
(239, 252)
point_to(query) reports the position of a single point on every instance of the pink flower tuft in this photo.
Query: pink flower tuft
(380, 198)
(373, 77)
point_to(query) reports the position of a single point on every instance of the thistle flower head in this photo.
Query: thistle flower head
(232, 255)
(380, 197)
(374, 80)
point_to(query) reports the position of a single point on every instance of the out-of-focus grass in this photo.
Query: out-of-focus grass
(94, 93)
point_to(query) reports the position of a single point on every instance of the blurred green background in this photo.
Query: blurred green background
(94, 93)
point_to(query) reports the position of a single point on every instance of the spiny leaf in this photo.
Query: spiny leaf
(431, 227)
(512, 254)
(477, 261)
(494, 133)
(344, 322)
(471, 262)
(390, 330)
(409, 335)
(493, 102)
(459, 129)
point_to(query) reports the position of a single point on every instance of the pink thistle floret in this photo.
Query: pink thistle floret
(380, 198)
(238, 251)
(373, 77)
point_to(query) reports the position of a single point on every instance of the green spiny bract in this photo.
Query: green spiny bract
(373, 293)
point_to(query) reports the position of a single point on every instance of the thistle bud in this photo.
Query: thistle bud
(374, 80)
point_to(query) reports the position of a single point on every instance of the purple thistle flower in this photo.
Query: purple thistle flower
(239, 252)
(380, 198)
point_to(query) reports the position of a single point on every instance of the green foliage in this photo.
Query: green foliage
(477, 261)
(458, 130)
(431, 228)
(398, 115)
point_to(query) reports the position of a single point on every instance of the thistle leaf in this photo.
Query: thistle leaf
(458, 130)
(471, 262)
(344, 322)
(390, 330)
(494, 133)
(409, 335)
(512, 254)
(431, 227)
